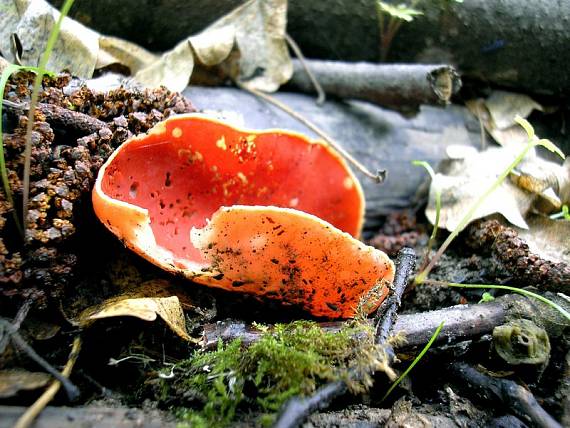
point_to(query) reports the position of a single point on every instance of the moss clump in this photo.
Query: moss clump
(289, 360)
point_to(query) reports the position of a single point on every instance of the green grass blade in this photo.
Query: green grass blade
(431, 173)
(6, 73)
(526, 293)
(33, 102)
(416, 360)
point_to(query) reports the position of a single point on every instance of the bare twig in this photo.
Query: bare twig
(503, 391)
(17, 340)
(20, 317)
(321, 96)
(378, 177)
(385, 317)
(462, 322)
(33, 411)
(393, 85)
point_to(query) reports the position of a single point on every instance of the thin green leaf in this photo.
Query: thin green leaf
(564, 213)
(6, 73)
(416, 360)
(33, 102)
(532, 142)
(431, 173)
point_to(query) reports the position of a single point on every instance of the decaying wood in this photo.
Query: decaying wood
(462, 322)
(503, 392)
(393, 85)
(63, 118)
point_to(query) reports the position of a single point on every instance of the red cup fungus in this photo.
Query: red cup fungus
(268, 213)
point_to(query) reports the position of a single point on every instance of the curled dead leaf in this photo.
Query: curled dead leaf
(497, 114)
(31, 21)
(138, 304)
(14, 381)
(535, 184)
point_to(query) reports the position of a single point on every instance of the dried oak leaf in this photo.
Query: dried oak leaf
(14, 381)
(497, 114)
(548, 238)
(138, 304)
(535, 184)
(256, 30)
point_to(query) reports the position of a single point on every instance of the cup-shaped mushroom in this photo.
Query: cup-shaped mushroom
(269, 213)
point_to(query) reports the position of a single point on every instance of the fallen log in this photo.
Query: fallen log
(400, 86)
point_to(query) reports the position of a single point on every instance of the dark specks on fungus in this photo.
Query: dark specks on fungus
(180, 216)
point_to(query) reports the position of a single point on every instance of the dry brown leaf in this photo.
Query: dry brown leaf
(256, 29)
(145, 303)
(534, 184)
(14, 381)
(113, 50)
(32, 20)
(497, 113)
(260, 26)
(173, 69)
(462, 181)
(213, 45)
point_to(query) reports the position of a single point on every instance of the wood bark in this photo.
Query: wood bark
(464, 322)
(519, 44)
(393, 85)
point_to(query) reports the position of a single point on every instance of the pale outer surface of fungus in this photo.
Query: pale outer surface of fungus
(245, 211)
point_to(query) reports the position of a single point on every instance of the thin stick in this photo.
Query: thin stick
(502, 393)
(378, 177)
(321, 96)
(386, 318)
(35, 409)
(20, 317)
(19, 341)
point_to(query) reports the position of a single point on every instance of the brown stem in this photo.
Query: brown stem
(33, 411)
(321, 96)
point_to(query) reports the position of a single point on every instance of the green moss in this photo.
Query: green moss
(291, 359)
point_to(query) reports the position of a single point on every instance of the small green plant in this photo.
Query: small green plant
(522, 291)
(564, 213)
(396, 15)
(289, 360)
(6, 73)
(533, 141)
(416, 360)
(431, 173)
(486, 297)
(40, 72)
(421, 278)
(33, 103)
